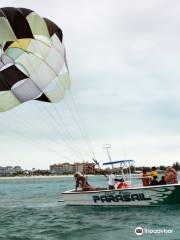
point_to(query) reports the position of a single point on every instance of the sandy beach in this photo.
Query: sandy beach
(34, 177)
(40, 177)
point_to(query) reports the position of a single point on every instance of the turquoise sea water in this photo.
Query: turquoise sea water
(29, 209)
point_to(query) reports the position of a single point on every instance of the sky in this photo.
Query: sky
(124, 61)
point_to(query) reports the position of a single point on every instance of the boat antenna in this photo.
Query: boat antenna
(106, 147)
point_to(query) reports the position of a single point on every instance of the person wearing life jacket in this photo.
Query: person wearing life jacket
(112, 180)
(171, 175)
(81, 181)
(153, 172)
(145, 178)
(121, 184)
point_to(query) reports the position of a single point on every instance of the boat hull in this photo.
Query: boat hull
(139, 196)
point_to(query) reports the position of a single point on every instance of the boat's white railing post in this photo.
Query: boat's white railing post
(122, 171)
(130, 173)
(127, 172)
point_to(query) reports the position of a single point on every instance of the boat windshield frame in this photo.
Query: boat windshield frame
(123, 164)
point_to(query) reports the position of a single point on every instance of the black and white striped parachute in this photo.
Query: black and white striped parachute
(33, 62)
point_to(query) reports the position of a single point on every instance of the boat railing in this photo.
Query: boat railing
(124, 166)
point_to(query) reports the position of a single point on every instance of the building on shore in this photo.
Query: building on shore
(9, 170)
(71, 168)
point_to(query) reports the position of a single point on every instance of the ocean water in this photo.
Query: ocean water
(30, 209)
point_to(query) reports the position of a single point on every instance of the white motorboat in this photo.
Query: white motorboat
(157, 195)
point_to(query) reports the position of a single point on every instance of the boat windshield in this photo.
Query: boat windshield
(125, 168)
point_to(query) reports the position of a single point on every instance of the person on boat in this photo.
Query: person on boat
(153, 172)
(145, 178)
(121, 184)
(162, 181)
(154, 181)
(171, 175)
(81, 181)
(112, 180)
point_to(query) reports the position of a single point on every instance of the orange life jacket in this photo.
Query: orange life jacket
(121, 185)
(145, 179)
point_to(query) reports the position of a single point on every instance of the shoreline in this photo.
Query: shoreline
(38, 177)
(34, 177)
(55, 176)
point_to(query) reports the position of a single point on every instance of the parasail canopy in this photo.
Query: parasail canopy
(33, 62)
(33, 66)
